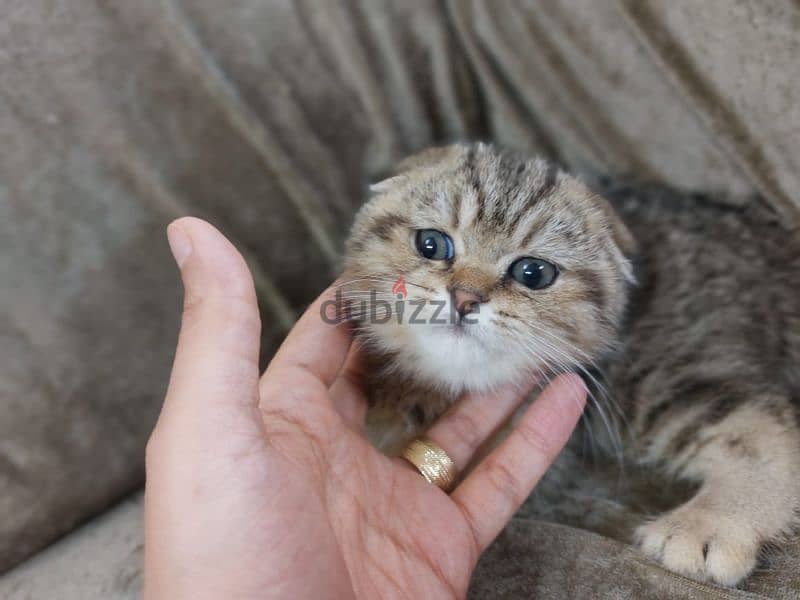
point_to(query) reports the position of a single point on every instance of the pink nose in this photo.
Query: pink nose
(467, 301)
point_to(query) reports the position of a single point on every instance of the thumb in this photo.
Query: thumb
(216, 362)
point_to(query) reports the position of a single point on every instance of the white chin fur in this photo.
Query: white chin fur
(475, 357)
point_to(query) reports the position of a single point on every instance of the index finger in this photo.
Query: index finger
(317, 343)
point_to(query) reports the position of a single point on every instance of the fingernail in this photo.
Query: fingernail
(179, 243)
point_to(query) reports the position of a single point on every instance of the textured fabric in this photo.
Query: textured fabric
(530, 559)
(100, 561)
(533, 559)
(268, 118)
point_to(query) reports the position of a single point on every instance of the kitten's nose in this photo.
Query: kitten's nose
(467, 301)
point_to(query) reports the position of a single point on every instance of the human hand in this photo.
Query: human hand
(266, 487)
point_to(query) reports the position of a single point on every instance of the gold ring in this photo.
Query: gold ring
(432, 462)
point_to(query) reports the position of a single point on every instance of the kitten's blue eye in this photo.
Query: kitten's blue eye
(534, 273)
(434, 245)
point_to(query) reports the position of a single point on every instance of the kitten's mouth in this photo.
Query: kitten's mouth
(458, 329)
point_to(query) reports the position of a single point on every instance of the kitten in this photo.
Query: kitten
(535, 273)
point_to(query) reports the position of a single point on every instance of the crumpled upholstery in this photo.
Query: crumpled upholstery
(268, 118)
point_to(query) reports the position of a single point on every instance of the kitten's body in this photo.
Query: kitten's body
(704, 362)
(709, 376)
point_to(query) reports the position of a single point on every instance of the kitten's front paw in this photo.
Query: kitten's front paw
(703, 544)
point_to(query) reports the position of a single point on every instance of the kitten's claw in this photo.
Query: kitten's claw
(702, 544)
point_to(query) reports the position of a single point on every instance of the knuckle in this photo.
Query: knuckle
(536, 440)
(505, 482)
(192, 304)
(233, 309)
(465, 428)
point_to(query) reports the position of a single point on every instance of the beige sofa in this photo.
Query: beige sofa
(268, 118)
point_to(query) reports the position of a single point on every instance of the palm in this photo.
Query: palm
(266, 487)
(393, 530)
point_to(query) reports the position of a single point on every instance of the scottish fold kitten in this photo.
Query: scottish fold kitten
(691, 312)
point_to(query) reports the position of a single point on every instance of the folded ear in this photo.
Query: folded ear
(385, 185)
(624, 240)
(429, 158)
(436, 156)
(625, 244)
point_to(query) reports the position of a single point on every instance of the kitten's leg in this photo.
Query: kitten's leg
(749, 465)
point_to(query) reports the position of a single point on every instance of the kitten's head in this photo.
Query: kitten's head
(527, 268)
